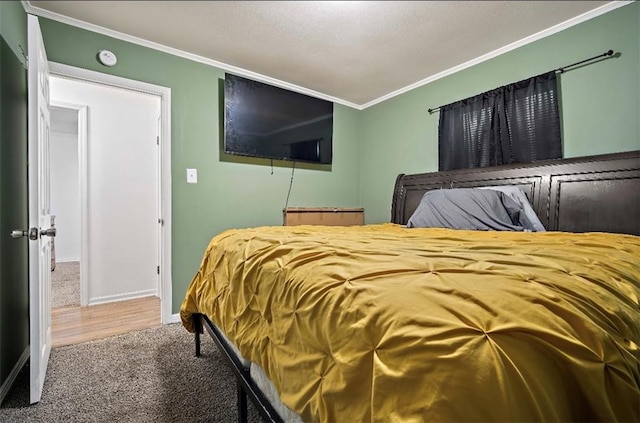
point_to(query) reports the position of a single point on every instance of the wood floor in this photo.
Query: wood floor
(75, 325)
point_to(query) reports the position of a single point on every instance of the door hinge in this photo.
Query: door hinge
(158, 140)
(158, 269)
(26, 57)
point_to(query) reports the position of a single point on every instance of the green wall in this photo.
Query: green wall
(13, 24)
(599, 103)
(14, 283)
(231, 191)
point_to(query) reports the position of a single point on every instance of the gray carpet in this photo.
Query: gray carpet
(65, 285)
(146, 376)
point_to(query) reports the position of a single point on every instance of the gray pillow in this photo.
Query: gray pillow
(528, 218)
(467, 208)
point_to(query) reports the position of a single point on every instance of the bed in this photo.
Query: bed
(389, 323)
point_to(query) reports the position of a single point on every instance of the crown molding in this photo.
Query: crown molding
(495, 53)
(283, 84)
(180, 53)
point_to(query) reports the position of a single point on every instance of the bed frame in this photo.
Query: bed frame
(596, 193)
(246, 387)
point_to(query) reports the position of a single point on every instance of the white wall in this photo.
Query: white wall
(65, 194)
(122, 185)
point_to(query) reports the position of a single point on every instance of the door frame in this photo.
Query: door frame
(83, 177)
(84, 75)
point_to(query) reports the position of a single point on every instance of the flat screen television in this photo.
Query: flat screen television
(261, 120)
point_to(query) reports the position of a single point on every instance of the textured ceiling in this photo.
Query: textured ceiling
(355, 52)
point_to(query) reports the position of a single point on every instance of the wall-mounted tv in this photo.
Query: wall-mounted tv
(261, 120)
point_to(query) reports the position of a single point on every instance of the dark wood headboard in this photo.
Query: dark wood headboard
(595, 193)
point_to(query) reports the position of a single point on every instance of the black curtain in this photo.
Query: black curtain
(517, 123)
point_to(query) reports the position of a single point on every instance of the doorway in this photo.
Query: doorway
(76, 316)
(112, 217)
(65, 205)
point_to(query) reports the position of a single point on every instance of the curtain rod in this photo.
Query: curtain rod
(561, 70)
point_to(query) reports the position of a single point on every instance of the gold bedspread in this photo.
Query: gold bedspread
(384, 323)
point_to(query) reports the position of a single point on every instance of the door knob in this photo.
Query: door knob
(18, 234)
(31, 233)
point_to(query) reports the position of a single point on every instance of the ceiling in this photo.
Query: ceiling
(353, 52)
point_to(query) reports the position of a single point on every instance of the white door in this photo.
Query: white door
(39, 213)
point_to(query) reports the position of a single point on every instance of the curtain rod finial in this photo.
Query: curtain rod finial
(609, 53)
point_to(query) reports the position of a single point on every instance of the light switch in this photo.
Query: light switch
(192, 176)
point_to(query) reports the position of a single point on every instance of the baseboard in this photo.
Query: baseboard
(67, 260)
(6, 386)
(121, 297)
(174, 318)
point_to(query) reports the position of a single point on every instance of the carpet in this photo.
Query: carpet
(145, 376)
(65, 285)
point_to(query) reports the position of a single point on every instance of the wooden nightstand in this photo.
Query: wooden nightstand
(329, 216)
